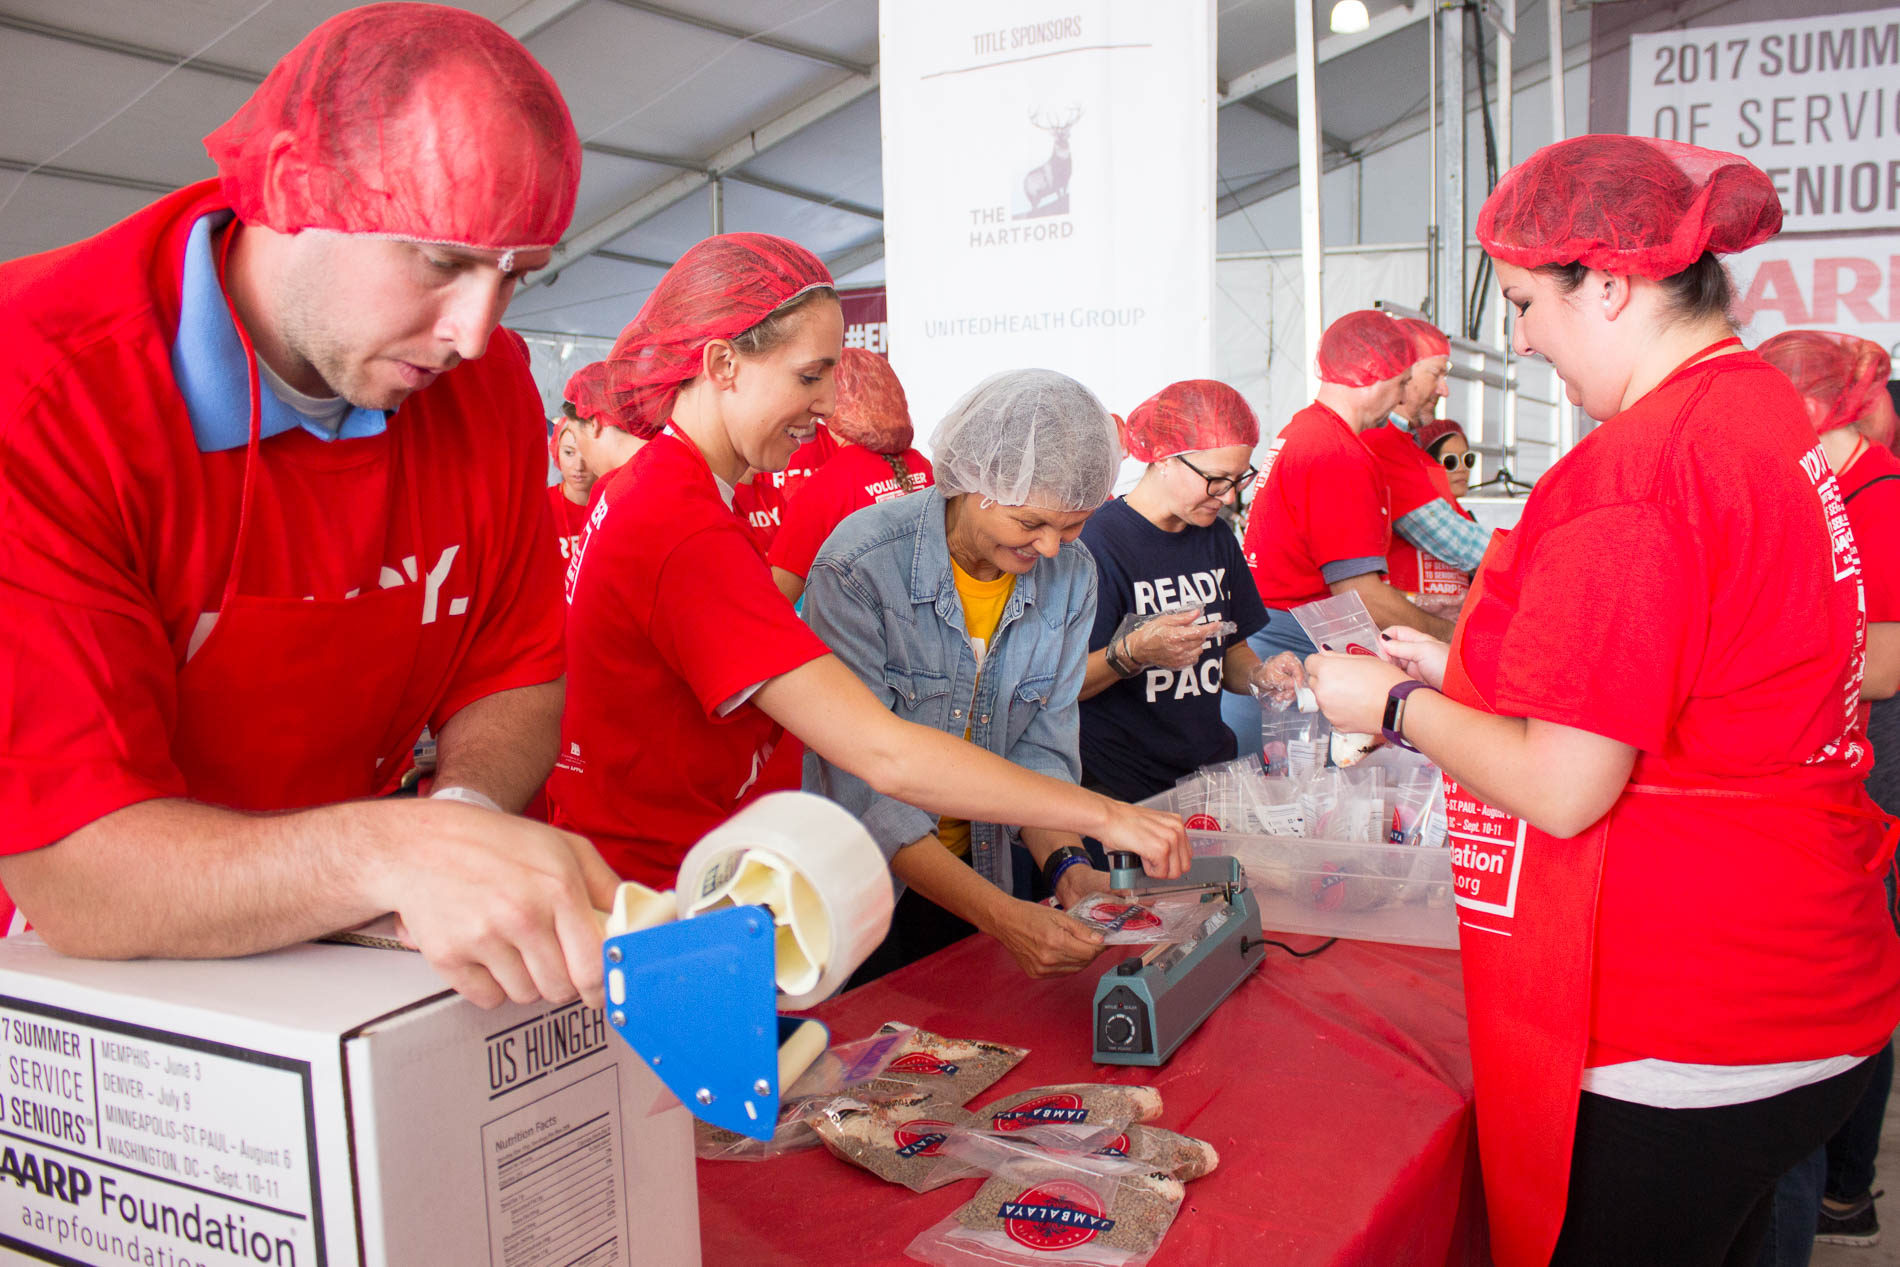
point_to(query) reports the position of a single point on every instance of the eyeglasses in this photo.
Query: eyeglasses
(1453, 460)
(1219, 485)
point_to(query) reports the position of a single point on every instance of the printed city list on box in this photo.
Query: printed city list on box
(126, 1144)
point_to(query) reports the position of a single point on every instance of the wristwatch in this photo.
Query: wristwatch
(1061, 860)
(1394, 727)
(1118, 662)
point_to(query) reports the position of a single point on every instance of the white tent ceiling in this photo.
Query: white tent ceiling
(107, 102)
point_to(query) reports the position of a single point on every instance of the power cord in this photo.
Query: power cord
(1247, 944)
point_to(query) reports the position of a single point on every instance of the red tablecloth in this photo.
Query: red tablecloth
(1337, 1089)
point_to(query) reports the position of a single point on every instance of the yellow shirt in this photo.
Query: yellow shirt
(983, 603)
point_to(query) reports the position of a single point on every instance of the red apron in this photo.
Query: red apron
(1527, 994)
(1527, 937)
(292, 702)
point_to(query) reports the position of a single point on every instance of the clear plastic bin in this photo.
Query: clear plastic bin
(1400, 894)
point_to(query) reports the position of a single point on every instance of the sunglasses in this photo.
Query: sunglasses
(1452, 461)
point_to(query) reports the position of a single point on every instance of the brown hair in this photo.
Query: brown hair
(778, 323)
(1699, 291)
(900, 468)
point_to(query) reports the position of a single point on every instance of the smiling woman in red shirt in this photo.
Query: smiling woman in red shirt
(686, 665)
(1666, 869)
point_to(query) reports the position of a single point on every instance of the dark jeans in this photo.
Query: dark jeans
(1843, 1169)
(1690, 1187)
(1851, 1153)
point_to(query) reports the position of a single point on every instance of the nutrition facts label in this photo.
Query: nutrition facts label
(127, 1144)
(555, 1189)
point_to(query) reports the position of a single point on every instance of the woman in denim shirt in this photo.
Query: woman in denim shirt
(967, 608)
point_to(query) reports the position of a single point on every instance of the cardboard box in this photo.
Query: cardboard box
(320, 1106)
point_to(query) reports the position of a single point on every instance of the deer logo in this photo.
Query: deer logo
(1047, 187)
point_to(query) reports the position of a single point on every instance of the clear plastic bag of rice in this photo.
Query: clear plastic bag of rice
(1075, 1103)
(955, 1070)
(898, 1140)
(1179, 1156)
(1041, 1205)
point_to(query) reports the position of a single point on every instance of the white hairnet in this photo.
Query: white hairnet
(1028, 438)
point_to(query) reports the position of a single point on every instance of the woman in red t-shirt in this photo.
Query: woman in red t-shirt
(568, 497)
(605, 444)
(874, 463)
(1843, 381)
(685, 663)
(1666, 869)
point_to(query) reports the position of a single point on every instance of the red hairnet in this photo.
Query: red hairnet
(1627, 204)
(1836, 374)
(410, 121)
(719, 289)
(1437, 429)
(1188, 416)
(1427, 339)
(554, 439)
(872, 410)
(1363, 348)
(587, 391)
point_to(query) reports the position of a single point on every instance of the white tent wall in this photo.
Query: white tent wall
(1385, 196)
(553, 358)
(1257, 314)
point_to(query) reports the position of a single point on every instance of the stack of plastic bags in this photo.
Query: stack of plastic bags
(1392, 801)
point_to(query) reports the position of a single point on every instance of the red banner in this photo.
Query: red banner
(865, 323)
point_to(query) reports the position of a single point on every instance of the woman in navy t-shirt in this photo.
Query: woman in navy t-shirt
(1151, 700)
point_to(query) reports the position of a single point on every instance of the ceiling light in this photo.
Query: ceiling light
(1350, 17)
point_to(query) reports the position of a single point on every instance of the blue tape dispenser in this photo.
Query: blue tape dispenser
(774, 908)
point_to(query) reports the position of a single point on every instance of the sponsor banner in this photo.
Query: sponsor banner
(865, 323)
(1812, 101)
(1048, 186)
(1847, 283)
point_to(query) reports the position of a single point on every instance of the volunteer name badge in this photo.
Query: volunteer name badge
(1487, 850)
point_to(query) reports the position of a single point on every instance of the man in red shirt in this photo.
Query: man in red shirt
(1320, 523)
(1435, 548)
(262, 525)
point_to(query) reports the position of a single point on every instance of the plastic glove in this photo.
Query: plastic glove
(1277, 681)
(1172, 640)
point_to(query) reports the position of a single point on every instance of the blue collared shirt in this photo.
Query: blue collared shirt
(208, 363)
